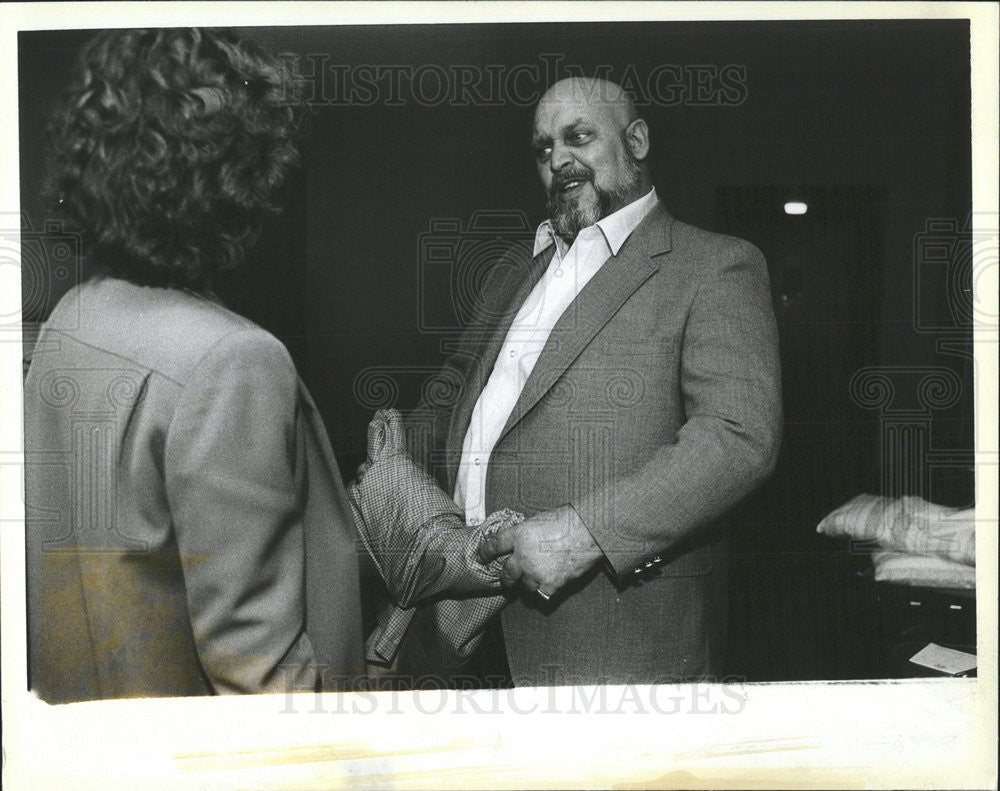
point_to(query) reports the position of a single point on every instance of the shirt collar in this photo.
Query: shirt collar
(616, 227)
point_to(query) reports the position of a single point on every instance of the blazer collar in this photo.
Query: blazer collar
(616, 227)
(654, 235)
(617, 279)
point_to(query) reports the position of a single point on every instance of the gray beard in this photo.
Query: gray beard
(569, 218)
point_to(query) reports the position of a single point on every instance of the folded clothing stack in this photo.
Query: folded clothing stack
(920, 543)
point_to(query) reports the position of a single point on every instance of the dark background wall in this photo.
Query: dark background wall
(868, 122)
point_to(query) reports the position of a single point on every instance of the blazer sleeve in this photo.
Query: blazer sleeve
(237, 514)
(731, 391)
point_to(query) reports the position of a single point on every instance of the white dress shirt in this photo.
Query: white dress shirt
(568, 272)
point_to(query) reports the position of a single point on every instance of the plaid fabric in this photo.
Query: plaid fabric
(421, 546)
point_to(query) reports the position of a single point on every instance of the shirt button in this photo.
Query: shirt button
(476, 461)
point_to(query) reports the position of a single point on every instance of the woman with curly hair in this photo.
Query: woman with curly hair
(187, 529)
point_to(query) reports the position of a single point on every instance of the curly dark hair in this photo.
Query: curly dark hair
(168, 151)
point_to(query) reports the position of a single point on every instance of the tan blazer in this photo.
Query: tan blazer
(187, 530)
(654, 407)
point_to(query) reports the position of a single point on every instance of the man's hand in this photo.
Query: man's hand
(548, 550)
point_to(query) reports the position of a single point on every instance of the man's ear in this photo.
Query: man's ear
(637, 138)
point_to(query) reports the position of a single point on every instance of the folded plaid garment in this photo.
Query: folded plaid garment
(422, 548)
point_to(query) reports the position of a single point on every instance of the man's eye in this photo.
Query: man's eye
(579, 137)
(543, 154)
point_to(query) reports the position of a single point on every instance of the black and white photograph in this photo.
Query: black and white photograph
(432, 398)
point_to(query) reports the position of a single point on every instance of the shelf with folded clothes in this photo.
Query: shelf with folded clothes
(917, 574)
(959, 594)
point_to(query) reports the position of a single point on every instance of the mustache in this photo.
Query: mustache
(564, 177)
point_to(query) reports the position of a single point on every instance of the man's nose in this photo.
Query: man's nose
(561, 157)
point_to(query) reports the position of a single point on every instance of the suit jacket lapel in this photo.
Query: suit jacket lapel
(493, 328)
(599, 300)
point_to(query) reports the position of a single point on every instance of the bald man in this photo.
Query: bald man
(623, 392)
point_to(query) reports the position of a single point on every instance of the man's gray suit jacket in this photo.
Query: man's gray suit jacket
(654, 408)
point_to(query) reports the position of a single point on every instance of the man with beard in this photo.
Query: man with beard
(622, 391)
